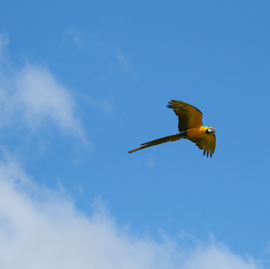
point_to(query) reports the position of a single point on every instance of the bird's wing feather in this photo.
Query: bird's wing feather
(189, 116)
(206, 142)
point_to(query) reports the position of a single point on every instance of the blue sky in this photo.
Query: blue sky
(81, 83)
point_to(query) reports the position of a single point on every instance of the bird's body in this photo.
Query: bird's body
(190, 127)
(196, 132)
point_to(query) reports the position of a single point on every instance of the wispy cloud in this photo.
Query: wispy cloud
(33, 95)
(76, 37)
(124, 63)
(40, 228)
(4, 40)
(102, 104)
(122, 60)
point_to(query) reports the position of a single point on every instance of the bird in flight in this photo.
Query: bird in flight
(190, 127)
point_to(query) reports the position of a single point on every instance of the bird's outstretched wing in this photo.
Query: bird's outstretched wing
(206, 142)
(189, 116)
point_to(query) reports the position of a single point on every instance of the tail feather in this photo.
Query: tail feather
(160, 141)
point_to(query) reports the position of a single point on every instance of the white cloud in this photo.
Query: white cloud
(32, 95)
(41, 96)
(216, 256)
(43, 229)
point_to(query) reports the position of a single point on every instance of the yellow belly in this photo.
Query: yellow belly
(196, 132)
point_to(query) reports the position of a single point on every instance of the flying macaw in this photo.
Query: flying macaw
(190, 127)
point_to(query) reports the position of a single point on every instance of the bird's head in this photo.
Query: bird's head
(211, 130)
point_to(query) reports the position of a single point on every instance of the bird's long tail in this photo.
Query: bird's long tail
(160, 141)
